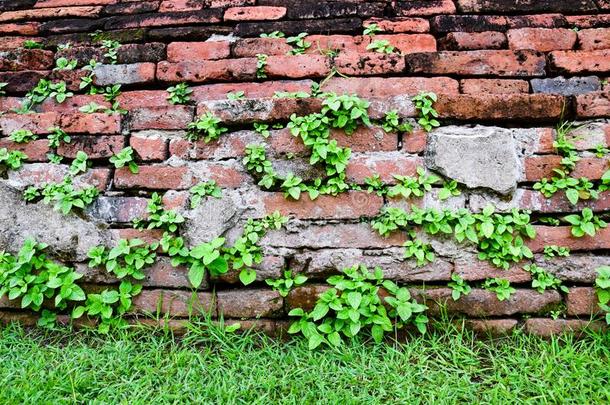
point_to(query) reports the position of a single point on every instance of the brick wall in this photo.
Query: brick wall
(504, 75)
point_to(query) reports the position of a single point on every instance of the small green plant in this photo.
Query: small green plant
(262, 129)
(64, 47)
(236, 95)
(80, 164)
(554, 250)
(205, 257)
(127, 259)
(11, 160)
(2, 88)
(353, 305)
(64, 195)
(59, 91)
(57, 136)
(125, 158)
(179, 94)
(298, 43)
(274, 34)
(371, 30)
(30, 44)
(287, 283)
(543, 280)
(381, 46)
(22, 136)
(54, 158)
(91, 108)
(408, 186)
(393, 123)
(602, 289)
(111, 49)
(458, 286)
(158, 217)
(449, 189)
(424, 102)
(206, 126)
(601, 151)
(261, 62)
(65, 64)
(500, 286)
(256, 162)
(376, 185)
(586, 223)
(420, 250)
(204, 189)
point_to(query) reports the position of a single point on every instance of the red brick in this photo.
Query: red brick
(250, 303)
(541, 39)
(339, 43)
(507, 6)
(257, 110)
(297, 66)
(596, 104)
(180, 5)
(174, 117)
(415, 142)
(226, 147)
(67, 3)
(551, 327)
(251, 90)
(588, 21)
(305, 297)
(38, 123)
(192, 51)
(582, 301)
(250, 47)
(36, 151)
(467, 41)
(400, 24)
(472, 269)
(392, 86)
(148, 146)
(22, 81)
(174, 303)
(225, 174)
(7, 43)
(26, 59)
(131, 100)
(29, 28)
(538, 167)
(95, 147)
(72, 104)
(351, 205)
(478, 63)
(352, 64)
(38, 173)
(96, 123)
(384, 165)
(47, 13)
(167, 19)
(410, 43)
(156, 177)
(592, 39)
(262, 13)
(133, 73)
(491, 327)
(535, 201)
(500, 106)
(145, 235)
(224, 70)
(420, 7)
(575, 62)
(493, 86)
(561, 236)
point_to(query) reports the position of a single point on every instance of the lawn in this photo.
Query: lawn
(211, 366)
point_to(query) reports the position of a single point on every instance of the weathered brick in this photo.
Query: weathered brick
(174, 117)
(250, 47)
(595, 104)
(180, 5)
(314, 26)
(593, 39)
(492, 6)
(224, 70)
(226, 147)
(369, 64)
(26, 59)
(67, 3)
(480, 303)
(383, 87)
(472, 269)
(251, 90)
(131, 8)
(22, 81)
(165, 19)
(588, 21)
(478, 63)
(348, 205)
(561, 236)
(263, 13)
(582, 301)
(96, 147)
(227, 174)
(70, 25)
(576, 62)
(541, 39)
(297, 66)
(131, 100)
(493, 86)
(424, 8)
(536, 202)
(481, 23)
(38, 173)
(500, 106)
(400, 24)
(115, 209)
(538, 167)
(551, 327)
(96, 123)
(135, 73)
(174, 303)
(149, 145)
(491, 327)
(410, 43)
(8, 43)
(305, 297)
(467, 41)
(28, 28)
(576, 268)
(45, 13)
(72, 104)
(250, 303)
(566, 87)
(181, 51)
(302, 10)
(38, 123)
(385, 165)
(157, 177)
(36, 151)
(258, 110)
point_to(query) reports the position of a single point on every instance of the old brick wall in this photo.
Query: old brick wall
(504, 73)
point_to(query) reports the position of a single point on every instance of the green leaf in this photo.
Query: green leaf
(315, 340)
(247, 276)
(196, 273)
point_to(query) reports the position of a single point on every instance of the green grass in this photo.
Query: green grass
(210, 366)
